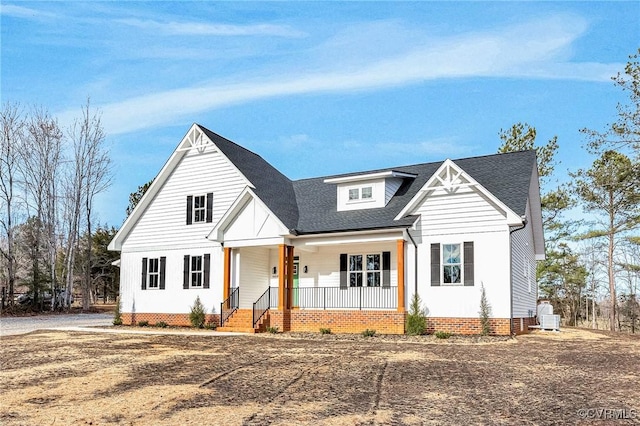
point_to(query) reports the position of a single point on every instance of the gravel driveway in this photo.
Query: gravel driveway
(22, 325)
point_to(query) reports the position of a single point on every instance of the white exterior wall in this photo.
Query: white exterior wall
(164, 222)
(323, 265)
(525, 287)
(457, 218)
(162, 231)
(253, 274)
(174, 299)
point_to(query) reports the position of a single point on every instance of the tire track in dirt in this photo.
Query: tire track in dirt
(262, 417)
(207, 383)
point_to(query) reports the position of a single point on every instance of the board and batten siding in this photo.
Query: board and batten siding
(163, 224)
(174, 299)
(523, 274)
(253, 274)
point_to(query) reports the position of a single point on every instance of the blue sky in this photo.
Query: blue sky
(319, 88)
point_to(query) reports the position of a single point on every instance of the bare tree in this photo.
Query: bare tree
(91, 176)
(11, 126)
(41, 159)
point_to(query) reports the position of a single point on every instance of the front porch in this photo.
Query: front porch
(320, 288)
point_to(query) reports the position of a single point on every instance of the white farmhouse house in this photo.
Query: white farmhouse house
(343, 252)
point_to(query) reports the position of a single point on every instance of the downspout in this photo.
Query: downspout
(511, 231)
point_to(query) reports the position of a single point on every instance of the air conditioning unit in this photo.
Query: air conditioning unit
(550, 322)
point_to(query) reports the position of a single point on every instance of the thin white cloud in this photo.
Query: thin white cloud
(539, 49)
(212, 29)
(23, 12)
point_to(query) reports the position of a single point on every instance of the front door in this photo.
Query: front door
(295, 284)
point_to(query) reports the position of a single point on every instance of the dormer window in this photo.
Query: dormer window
(367, 191)
(364, 193)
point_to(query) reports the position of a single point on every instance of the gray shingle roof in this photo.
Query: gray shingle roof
(308, 206)
(273, 188)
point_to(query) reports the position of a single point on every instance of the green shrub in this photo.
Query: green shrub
(211, 325)
(272, 330)
(416, 319)
(197, 314)
(161, 324)
(485, 312)
(369, 333)
(143, 323)
(117, 315)
(442, 334)
(325, 330)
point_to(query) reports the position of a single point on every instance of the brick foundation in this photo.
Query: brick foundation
(499, 326)
(521, 325)
(177, 320)
(343, 321)
(339, 321)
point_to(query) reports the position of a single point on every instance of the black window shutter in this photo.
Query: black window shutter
(207, 261)
(343, 271)
(144, 273)
(163, 269)
(386, 268)
(210, 207)
(185, 275)
(435, 264)
(189, 209)
(468, 263)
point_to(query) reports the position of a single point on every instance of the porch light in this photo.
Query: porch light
(305, 269)
(274, 270)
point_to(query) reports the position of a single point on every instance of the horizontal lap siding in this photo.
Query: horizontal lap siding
(164, 221)
(524, 272)
(464, 216)
(174, 299)
(465, 211)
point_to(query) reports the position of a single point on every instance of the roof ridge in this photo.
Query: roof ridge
(412, 165)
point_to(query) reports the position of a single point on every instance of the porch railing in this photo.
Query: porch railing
(229, 306)
(341, 298)
(261, 306)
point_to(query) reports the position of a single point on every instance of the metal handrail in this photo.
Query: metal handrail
(261, 306)
(229, 306)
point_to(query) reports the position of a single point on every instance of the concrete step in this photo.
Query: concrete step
(237, 329)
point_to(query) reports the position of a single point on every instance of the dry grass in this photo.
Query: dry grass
(65, 378)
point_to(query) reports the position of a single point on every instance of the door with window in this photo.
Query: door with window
(296, 297)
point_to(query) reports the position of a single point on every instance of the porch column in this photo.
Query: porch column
(289, 276)
(226, 279)
(282, 256)
(400, 254)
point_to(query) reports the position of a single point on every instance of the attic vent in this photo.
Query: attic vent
(197, 140)
(450, 179)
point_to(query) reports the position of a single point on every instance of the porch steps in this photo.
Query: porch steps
(242, 322)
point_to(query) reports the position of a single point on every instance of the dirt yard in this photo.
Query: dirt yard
(72, 378)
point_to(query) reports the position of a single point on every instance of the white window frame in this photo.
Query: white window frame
(370, 192)
(359, 192)
(364, 270)
(153, 273)
(200, 212)
(460, 264)
(196, 276)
